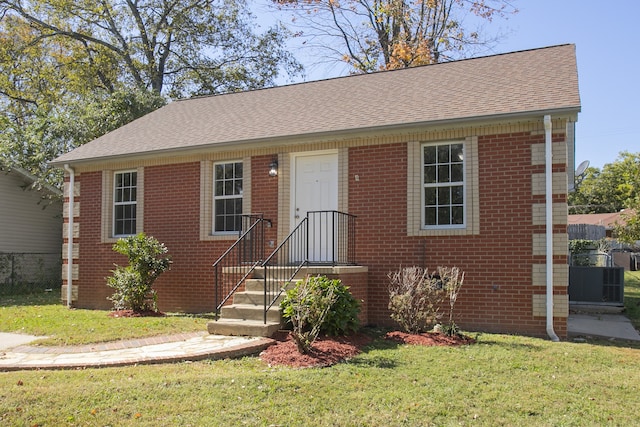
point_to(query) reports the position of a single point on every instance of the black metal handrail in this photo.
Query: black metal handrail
(237, 263)
(321, 238)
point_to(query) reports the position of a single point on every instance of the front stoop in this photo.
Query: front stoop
(245, 316)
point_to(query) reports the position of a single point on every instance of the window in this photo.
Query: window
(125, 203)
(443, 182)
(227, 197)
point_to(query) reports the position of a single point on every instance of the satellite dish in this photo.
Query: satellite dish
(582, 167)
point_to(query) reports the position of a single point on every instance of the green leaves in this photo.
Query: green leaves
(71, 71)
(614, 188)
(133, 284)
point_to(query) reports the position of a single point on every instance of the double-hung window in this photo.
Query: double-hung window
(443, 182)
(125, 203)
(227, 197)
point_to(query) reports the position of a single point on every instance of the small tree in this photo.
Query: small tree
(414, 298)
(452, 279)
(308, 305)
(133, 284)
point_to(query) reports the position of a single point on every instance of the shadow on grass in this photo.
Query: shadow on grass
(40, 298)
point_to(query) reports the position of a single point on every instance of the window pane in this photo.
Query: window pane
(457, 215)
(228, 188)
(430, 216)
(457, 154)
(429, 174)
(430, 196)
(457, 174)
(457, 195)
(429, 155)
(443, 173)
(238, 167)
(444, 216)
(444, 196)
(443, 153)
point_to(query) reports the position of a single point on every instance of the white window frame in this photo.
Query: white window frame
(215, 198)
(124, 203)
(449, 184)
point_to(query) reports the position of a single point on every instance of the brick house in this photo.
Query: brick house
(439, 165)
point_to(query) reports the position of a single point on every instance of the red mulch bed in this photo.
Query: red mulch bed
(131, 313)
(327, 351)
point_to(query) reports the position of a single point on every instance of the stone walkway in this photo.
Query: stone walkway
(163, 349)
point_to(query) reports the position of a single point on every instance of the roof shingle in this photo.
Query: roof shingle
(528, 81)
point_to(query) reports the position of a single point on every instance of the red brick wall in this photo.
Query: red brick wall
(95, 259)
(497, 291)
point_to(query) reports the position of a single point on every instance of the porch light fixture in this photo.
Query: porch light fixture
(273, 167)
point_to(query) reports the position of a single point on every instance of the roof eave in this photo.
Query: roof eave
(571, 111)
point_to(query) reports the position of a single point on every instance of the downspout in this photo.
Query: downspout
(548, 154)
(72, 179)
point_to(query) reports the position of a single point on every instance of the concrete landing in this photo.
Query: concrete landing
(601, 325)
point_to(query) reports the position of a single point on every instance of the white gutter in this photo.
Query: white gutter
(72, 177)
(548, 153)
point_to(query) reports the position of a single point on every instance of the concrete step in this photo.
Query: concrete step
(236, 327)
(250, 312)
(258, 273)
(257, 285)
(253, 297)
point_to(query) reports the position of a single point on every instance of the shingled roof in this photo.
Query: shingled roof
(541, 80)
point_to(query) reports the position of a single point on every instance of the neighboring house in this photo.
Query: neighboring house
(441, 165)
(606, 220)
(30, 229)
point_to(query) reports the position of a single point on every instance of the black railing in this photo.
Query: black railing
(321, 238)
(240, 260)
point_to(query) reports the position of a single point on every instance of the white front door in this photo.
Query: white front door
(315, 188)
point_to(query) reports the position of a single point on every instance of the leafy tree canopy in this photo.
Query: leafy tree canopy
(72, 70)
(615, 187)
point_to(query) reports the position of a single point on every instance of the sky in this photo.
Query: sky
(605, 35)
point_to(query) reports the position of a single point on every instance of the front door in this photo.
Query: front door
(315, 188)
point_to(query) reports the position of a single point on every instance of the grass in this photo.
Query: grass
(632, 297)
(43, 315)
(500, 380)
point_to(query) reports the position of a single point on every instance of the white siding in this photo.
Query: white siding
(24, 225)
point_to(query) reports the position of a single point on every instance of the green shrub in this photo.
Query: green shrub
(307, 306)
(342, 318)
(133, 284)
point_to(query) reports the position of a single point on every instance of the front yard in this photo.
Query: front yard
(500, 380)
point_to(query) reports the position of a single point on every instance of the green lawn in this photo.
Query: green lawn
(632, 297)
(44, 315)
(501, 380)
